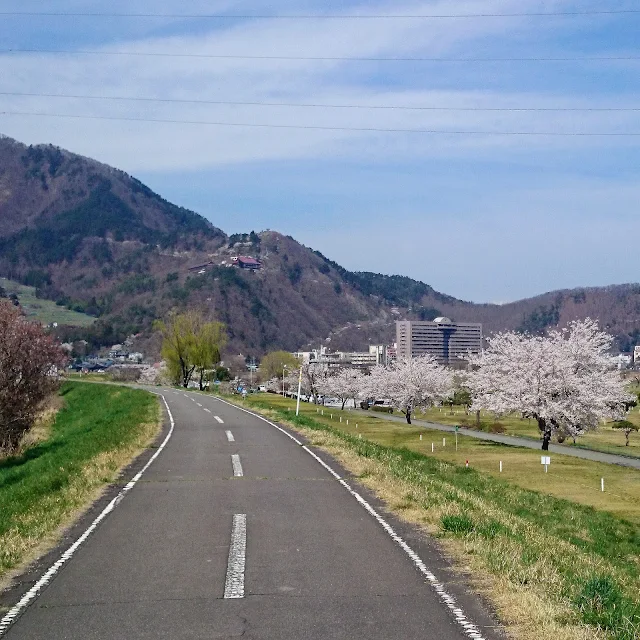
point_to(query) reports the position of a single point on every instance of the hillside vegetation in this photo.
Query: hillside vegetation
(96, 240)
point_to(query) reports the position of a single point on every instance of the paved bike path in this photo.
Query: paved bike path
(237, 531)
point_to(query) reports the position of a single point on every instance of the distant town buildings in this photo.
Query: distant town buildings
(636, 354)
(444, 339)
(377, 354)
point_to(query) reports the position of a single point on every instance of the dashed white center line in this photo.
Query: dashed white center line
(198, 404)
(207, 410)
(230, 437)
(185, 395)
(234, 584)
(219, 419)
(237, 466)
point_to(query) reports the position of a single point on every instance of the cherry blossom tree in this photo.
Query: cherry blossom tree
(314, 379)
(345, 384)
(412, 384)
(29, 360)
(565, 380)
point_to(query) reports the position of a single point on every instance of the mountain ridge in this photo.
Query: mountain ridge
(98, 240)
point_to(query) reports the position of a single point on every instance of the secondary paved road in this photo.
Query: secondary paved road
(515, 441)
(237, 531)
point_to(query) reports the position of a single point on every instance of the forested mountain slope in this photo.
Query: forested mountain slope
(97, 240)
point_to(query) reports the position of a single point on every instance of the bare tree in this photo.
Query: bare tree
(29, 360)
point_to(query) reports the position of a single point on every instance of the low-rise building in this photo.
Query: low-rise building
(246, 262)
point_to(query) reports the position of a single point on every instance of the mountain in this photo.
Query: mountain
(97, 240)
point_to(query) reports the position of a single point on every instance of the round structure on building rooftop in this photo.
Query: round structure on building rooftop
(442, 320)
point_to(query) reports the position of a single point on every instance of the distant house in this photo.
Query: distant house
(246, 262)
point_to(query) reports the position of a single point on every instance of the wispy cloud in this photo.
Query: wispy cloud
(440, 202)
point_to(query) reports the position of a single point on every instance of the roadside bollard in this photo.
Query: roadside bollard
(420, 436)
(432, 447)
(601, 484)
(444, 442)
(500, 466)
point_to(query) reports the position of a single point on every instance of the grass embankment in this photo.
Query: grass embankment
(603, 439)
(46, 311)
(97, 432)
(553, 568)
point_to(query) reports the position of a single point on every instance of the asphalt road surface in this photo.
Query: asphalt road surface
(235, 530)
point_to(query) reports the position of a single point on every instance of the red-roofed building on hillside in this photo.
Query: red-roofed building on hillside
(246, 262)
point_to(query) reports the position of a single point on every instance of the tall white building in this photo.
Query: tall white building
(448, 341)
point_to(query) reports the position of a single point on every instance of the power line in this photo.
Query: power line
(220, 16)
(161, 54)
(327, 128)
(312, 105)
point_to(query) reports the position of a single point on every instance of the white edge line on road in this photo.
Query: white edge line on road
(219, 419)
(470, 629)
(48, 576)
(237, 465)
(234, 584)
(230, 437)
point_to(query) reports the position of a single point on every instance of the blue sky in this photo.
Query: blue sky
(482, 217)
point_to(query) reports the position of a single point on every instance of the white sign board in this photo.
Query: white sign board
(545, 460)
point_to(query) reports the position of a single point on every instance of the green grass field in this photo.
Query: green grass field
(571, 478)
(603, 439)
(99, 429)
(45, 311)
(557, 559)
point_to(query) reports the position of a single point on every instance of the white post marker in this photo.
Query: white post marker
(444, 442)
(420, 436)
(500, 466)
(601, 484)
(237, 465)
(546, 461)
(234, 584)
(230, 437)
(432, 447)
(340, 418)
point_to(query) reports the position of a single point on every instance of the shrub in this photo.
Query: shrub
(497, 427)
(28, 362)
(381, 408)
(125, 374)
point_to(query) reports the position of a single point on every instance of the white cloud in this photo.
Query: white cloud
(167, 147)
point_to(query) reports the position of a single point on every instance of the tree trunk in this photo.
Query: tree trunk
(478, 419)
(343, 403)
(201, 381)
(627, 434)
